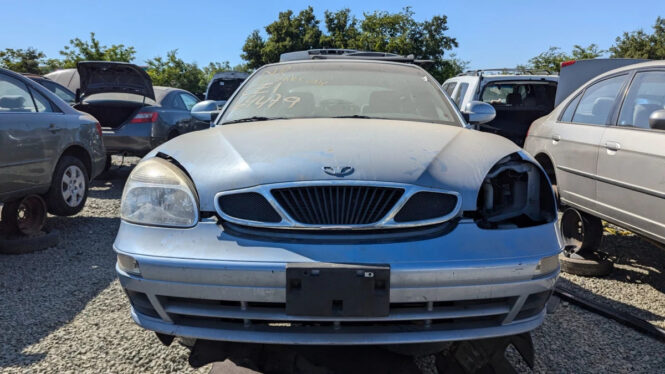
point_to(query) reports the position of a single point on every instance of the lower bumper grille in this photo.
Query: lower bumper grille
(484, 313)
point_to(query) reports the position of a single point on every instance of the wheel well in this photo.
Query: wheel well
(547, 164)
(172, 134)
(80, 153)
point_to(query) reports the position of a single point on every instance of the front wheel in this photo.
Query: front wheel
(69, 187)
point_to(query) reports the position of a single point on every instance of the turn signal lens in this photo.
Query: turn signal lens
(128, 264)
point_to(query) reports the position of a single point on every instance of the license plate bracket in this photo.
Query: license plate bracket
(332, 289)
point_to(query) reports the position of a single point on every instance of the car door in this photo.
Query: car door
(631, 162)
(189, 101)
(576, 137)
(27, 138)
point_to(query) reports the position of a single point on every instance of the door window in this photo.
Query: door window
(645, 96)
(14, 96)
(189, 100)
(567, 115)
(177, 103)
(43, 105)
(598, 100)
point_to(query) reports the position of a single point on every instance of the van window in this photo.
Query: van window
(598, 100)
(449, 88)
(459, 95)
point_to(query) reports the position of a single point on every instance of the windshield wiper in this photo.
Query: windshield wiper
(252, 119)
(354, 116)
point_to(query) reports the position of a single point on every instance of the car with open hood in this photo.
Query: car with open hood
(339, 201)
(135, 115)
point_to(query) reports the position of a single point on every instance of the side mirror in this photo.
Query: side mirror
(657, 120)
(205, 111)
(478, 112)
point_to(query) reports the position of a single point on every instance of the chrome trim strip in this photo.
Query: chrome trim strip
(387, 221)
(614, 182)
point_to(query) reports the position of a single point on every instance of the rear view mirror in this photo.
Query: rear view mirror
(657, 120)
(478, 112)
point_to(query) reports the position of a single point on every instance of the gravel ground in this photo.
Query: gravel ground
(63, 309)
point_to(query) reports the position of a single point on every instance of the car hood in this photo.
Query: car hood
(242, 155)
(103, 76)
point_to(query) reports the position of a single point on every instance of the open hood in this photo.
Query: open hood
(104, 76)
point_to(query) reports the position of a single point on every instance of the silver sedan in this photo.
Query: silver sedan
(339, 202)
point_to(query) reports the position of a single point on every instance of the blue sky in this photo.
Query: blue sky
(490, 33)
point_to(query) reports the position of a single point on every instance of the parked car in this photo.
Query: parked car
(223, 85)
(339, 201)
(135, 116)
(46, 147)
(603, 149)
(59, 90)
(518, 96)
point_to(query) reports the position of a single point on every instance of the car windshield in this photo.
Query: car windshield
(326, 89)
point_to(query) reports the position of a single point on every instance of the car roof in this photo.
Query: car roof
(338, 60)
(640, 65)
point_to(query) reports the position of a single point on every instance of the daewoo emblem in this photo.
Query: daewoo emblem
(338, 171)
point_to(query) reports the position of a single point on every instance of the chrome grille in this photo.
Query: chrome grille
(337, 205)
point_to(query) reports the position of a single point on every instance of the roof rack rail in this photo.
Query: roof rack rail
(350, 54)
(506, 71)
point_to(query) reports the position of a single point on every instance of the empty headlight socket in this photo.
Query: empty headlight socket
(515, 193)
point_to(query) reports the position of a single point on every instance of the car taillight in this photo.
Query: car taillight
(567, 63)
(99, 129)
(145, 117)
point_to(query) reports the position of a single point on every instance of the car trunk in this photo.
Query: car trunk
(111, 114)
(526, 102)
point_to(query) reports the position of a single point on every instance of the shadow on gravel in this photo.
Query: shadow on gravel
(636, 261)
(42, 291)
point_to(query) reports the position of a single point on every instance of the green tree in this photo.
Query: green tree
(639, 44)
(378, 31)
(22, 60)
(93, 50)
(551, 59)
(342, 30)
(288, 33)
(172, 71)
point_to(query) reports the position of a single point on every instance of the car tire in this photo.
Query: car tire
(582, 233)
(591, 265)
(69, 187)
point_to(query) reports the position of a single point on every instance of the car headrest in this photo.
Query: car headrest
(384, 102)
(12, 102)
(642, 113)
(602, 106)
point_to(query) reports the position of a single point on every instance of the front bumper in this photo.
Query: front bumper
(467, 284)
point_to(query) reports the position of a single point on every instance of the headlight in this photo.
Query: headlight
(515, 193)
(159, 193)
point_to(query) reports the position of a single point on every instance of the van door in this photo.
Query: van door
(631, 162)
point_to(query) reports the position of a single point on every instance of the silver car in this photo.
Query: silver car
(339, 202)
(603, 147)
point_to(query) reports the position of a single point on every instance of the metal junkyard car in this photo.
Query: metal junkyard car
(603, 147)
(46, 148)
(339, 202)
(135, 116)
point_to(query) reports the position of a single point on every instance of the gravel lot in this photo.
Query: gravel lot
(63, 309)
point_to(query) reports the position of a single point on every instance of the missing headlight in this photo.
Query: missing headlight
(515, 193)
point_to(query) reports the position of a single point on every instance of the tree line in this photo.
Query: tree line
(376, 31)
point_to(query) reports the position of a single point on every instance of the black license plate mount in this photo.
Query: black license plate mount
(333, 289)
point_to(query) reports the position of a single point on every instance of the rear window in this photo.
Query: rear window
(538, 95)
(222, 89)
